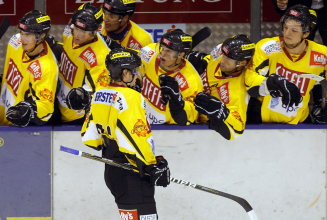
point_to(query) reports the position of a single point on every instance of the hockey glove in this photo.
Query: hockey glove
(209, 105)
(21, 114)
(111, 43)
(319, 114)
(137, 87)
(198, 60)
(278, 86)
(78, 99)
(159, 173)
(170, 91)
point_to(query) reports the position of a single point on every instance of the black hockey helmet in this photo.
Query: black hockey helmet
(120, 7)
(302, 14)
(177, 40)
(88, 17)
(238, 48)
(121, 58)
(35, 22)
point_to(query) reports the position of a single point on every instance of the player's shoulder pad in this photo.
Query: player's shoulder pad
(15, 41)
(270, 46)
(147, 53)
(141, 32)
(89, 57)
(216, 52)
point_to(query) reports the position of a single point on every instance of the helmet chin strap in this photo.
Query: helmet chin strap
(36, 45)
(235, 70)
(176, 64)
(129, 83)
(120, 26)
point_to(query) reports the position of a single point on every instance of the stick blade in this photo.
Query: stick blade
(4, 26)
(69, 150)
(200, 36)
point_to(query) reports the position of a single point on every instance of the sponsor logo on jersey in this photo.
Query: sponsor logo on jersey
(223, 92)
(100, 28)
(182, 82)
(67, 68)
(191, 97)
(80, 24)
(237, 115)
(105, 97)
(205, 82)
(15, 41)
(152, 93)
(89, 56)
(290, 75)
(147, 54)
(271, 47)
(225, 50)
(126, 214)
(103, 79)
(140, 128)
(295, 13)
(35, 69)
(107, 6)
(43, 19)
(148, 217)
(317, 59)
(133, 43)
(46, 94)
(164, 40)
(14, 77)
(22, 26)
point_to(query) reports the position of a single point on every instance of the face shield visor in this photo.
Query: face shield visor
(166, 53)
(139, 72)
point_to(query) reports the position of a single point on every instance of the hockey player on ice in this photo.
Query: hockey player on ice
(117, 125)
(228, 85)
(30, 74)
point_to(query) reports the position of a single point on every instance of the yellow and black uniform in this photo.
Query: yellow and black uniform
(189, 85)
(117, 124)
(133, 36)
(232, 90)
(28, 79)
(80, 66)
(271, 56)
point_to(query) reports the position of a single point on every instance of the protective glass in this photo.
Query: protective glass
(139, 71)
(26, 37)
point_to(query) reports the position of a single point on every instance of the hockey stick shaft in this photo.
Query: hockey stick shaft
(200, 36)
(239, 200)
(4, 26)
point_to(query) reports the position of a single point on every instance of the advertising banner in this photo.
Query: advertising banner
(13, 10)
(165, 11)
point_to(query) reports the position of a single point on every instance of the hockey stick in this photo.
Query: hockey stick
(239, 200)
(4, 26)
(200, 36)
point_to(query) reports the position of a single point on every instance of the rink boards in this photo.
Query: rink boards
(279, 169)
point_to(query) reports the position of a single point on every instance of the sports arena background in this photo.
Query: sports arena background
(279, 169)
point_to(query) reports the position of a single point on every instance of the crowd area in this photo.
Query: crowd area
(110, 77)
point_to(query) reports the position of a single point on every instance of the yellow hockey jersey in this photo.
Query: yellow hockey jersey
(232, 90)
(118, 113)
(135, 38)
(25, 78)
(80, 66)
(189, 85)
(271, 56)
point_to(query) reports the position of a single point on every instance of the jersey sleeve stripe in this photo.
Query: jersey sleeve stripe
(126, 133)
(89, 78)
(262, 65)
